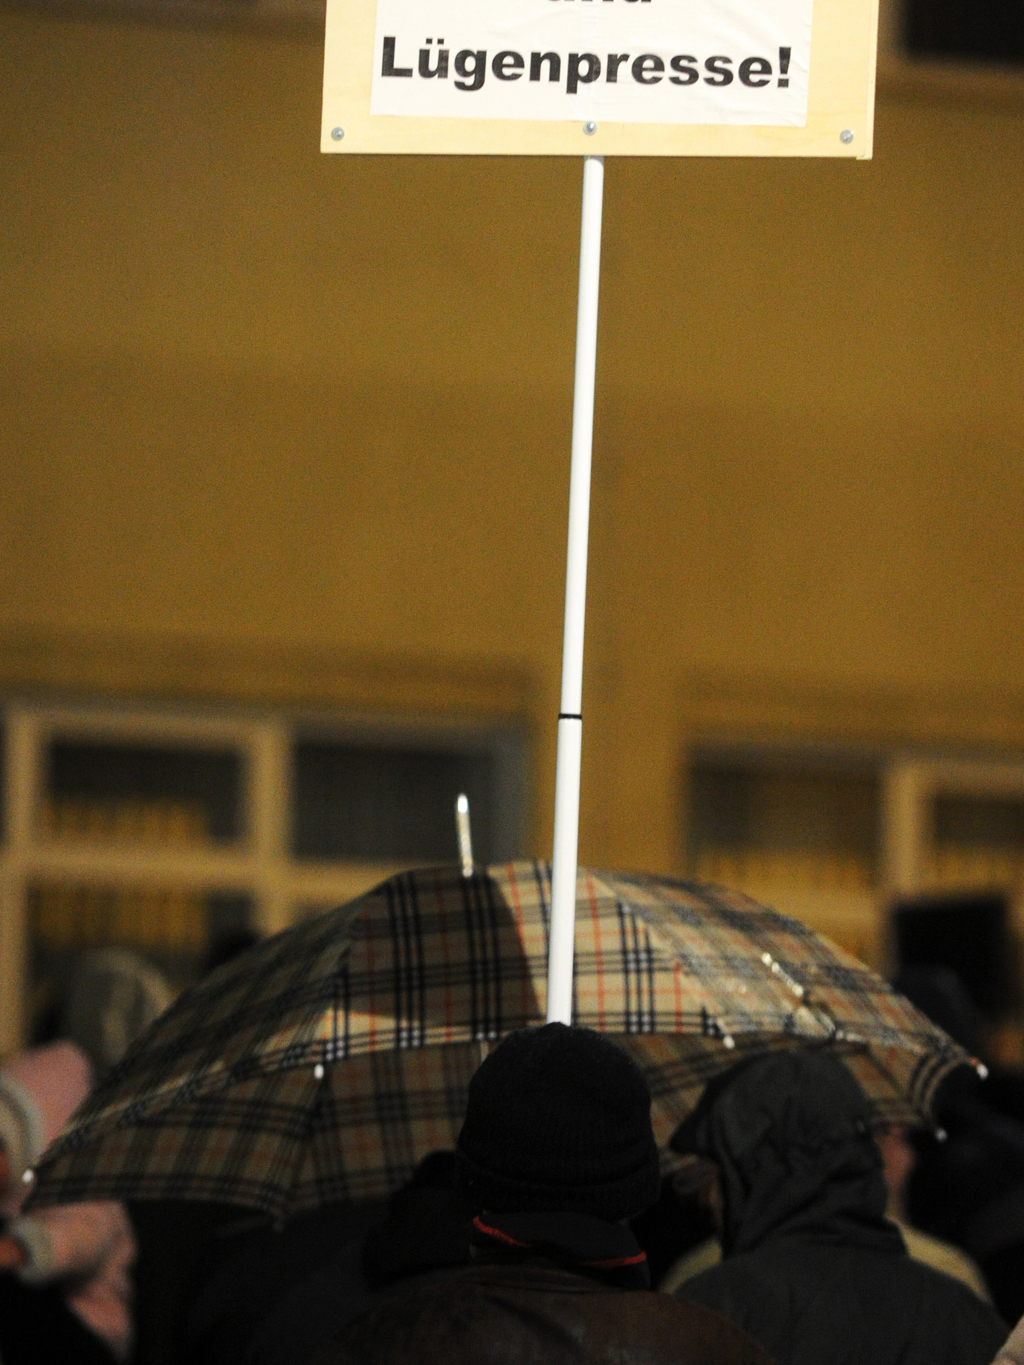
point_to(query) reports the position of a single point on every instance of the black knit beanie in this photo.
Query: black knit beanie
(559, 1119)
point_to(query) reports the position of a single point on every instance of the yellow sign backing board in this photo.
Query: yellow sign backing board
(600, 77)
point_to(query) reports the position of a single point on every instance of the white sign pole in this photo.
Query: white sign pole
(570, 719)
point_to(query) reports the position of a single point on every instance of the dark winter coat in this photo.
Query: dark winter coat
(530, 1313)
(811, 1267)
(266, 1297)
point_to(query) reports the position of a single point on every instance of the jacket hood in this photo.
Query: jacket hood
(790, 1136)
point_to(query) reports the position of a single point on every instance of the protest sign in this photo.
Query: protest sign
(600, 77)
(596, 78)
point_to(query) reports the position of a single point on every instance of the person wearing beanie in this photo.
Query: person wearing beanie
(811, 1266)
(556, 1154)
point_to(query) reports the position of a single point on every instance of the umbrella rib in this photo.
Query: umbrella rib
(486, 893)
(472, 963)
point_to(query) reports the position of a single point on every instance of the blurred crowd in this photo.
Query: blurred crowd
(792, 1227)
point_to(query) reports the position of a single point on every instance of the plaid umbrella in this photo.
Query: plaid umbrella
(324, 1063)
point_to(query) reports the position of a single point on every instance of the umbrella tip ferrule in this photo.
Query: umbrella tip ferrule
(981, 1069)
(463, 832)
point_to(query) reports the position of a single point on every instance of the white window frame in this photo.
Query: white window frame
(910, 781)
(910, 786)
(260, 864)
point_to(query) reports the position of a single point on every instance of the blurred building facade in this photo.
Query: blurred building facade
(284, 476)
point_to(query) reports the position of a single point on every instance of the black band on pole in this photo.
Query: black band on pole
(569, 715)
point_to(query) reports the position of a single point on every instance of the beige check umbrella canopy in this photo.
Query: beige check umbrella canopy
(324, 1063)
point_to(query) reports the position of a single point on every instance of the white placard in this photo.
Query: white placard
(627, 61)
(600, 77)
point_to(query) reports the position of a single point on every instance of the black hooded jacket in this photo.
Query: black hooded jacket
(811, 1267)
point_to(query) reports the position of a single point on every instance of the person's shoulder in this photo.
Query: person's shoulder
(709, 1335)
(536, 1306)
(409, 1321)
(747, 1269)
(953, 1308)
(386, 1330)
(752, 1291)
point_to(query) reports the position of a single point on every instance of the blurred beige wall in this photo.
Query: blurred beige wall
(283, 426)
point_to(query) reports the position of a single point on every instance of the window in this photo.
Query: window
(785, 815)
(168, 832)
(382, 803)
(836, 838)
(142, 793)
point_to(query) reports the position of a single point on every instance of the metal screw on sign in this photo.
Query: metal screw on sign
(338, 133)
(846, 135)
(590, 128)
